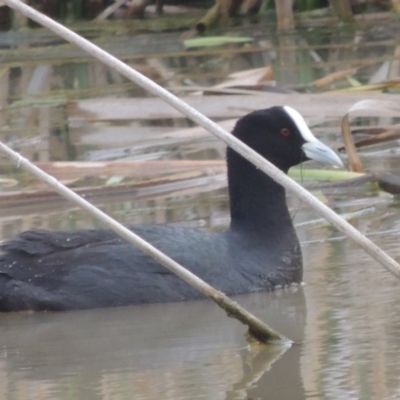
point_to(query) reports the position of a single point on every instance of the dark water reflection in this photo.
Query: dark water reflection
(177, 351)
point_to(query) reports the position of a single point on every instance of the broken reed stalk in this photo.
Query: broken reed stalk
(209, 19)
(257, 328)
(354, 159)
(371, 248)
(284, 15)
(110, 9)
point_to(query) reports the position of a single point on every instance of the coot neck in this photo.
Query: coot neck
(256, 200)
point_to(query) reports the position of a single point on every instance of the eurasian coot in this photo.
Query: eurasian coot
(54, 270)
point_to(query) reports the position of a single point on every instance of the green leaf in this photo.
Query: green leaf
(114, 180)
(354, 82)
(211, 41)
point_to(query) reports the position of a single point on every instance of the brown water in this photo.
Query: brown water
(345, 320)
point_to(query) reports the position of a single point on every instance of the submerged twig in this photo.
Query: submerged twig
(388, 182)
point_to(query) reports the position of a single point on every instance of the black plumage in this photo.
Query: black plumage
(54, 270)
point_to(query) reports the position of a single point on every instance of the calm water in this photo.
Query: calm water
(345, 320)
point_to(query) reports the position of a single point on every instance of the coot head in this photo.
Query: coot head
(281, 135)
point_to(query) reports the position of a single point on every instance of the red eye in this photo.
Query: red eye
(285, 132)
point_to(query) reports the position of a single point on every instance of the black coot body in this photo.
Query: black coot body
(50, 270)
